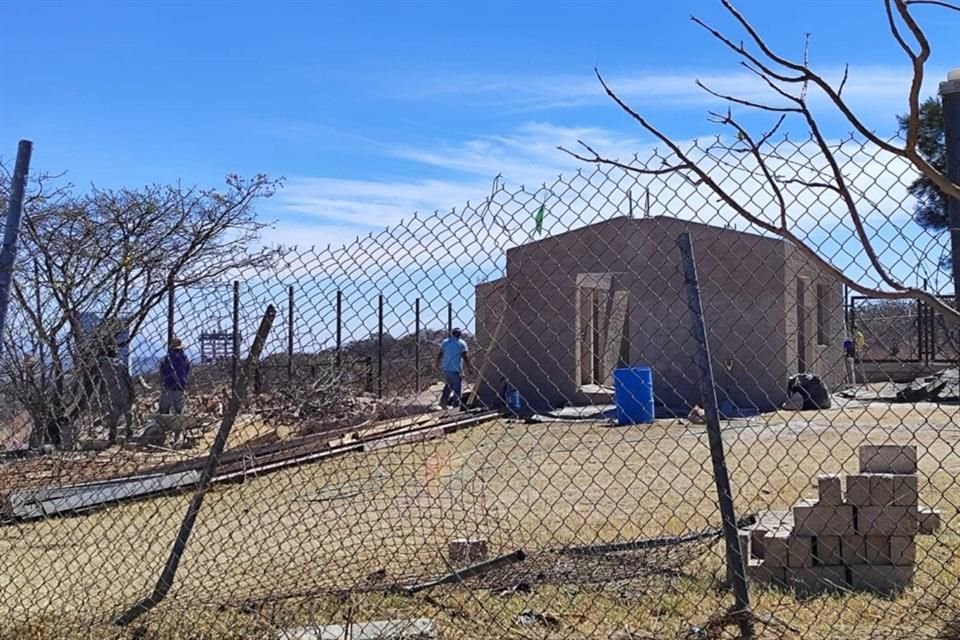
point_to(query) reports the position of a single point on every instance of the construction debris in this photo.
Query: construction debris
(935, 388)
(39, 501)
(468, 572)
(466, 550)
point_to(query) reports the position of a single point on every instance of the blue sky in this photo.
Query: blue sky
(123, 93)
(372, 110)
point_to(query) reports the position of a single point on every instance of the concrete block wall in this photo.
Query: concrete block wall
(859, 537)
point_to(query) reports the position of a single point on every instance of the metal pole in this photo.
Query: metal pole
(40, 352)
(416, 338)
(449, 317)
(380, 346)
(235, 356)
(339, 329)
(950, 97)
(165, 581)
(11, 229)
(290, 333)
(708, 391)
(171, 302)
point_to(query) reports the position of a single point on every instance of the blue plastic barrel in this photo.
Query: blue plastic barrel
(633, 395)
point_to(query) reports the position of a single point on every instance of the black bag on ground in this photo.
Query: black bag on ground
(811, 388)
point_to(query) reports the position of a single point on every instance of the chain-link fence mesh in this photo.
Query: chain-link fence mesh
(566, 488)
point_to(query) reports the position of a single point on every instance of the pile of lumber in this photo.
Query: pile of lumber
(19, 504)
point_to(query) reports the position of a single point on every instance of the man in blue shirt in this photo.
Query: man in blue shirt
(175, 373)
(452, 359)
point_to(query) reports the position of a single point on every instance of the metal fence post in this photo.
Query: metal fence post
(416, 341)
(339, 329)
(708, 392)
(380, 346)
(11, 229)
(235, 357)
(165, 580)
(290, 333)
(449, 318)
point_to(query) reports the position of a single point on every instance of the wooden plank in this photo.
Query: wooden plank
(404, 438)
(31, 504)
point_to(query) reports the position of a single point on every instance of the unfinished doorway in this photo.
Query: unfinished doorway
(801, 325)
(602, 328)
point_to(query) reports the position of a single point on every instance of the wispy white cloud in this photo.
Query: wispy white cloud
(345, 209)
(866, 86)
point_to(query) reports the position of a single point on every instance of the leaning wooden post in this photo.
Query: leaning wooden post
(708, 392)
(213, 460)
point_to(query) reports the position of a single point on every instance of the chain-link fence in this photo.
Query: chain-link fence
(341, 466)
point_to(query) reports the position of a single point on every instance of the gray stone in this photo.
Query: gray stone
(903, 550)
(827, 551)
(858, 489)
(816, 520)
(830, 490)
(882, 579)
(888, 458)
(929, 520)
(815, 580)
(888, 521)
(414, 629)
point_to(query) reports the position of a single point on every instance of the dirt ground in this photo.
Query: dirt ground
(321, 542)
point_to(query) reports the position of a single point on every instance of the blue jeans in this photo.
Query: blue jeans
(452, 389)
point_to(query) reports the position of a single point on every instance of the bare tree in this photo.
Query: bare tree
(115, 254)
(790, 83)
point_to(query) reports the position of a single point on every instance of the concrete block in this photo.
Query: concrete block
(853, 549)
(466, 551)
(744, 537)
(881, 490)
(777, 549)
(929, 520)
(762, 574)
(827, 551)
(817, 520)
(903, 551)
(815, 580)
(906, 491)
(881, 579)
(830, 490)
(800, 551)
(858, 489)
(887, 521)
(888, 458)
(877, 549)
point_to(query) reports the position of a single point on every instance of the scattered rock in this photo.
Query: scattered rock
(530, 618)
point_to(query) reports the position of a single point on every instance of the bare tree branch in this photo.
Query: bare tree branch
(937, 3)
(689, 164)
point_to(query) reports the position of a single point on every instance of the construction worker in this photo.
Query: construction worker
(175, 374)
(452, 359)
(116, 393)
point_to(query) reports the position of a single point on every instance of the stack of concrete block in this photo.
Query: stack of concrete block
(860, 537)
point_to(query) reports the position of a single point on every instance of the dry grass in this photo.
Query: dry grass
(324, 528)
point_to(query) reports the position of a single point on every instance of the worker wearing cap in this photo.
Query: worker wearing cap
(175, 372)
(451, 360)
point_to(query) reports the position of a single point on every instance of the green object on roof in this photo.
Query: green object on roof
(538, 218)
